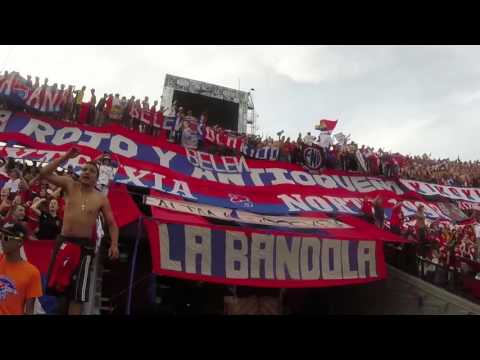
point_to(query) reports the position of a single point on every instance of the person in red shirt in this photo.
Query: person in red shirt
(20, 282)
(396, 219)
(367, 209)
(108, 108)
(23, 192)
(158, 118)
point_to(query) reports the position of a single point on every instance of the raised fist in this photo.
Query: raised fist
(72, 153)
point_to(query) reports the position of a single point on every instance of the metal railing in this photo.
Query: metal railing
(447, 277)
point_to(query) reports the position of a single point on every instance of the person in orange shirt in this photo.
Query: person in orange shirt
(20, 281)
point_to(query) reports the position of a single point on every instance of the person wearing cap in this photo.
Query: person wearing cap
(107, 170)
(20, 282)
(82, 207)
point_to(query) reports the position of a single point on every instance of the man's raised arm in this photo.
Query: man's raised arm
(46, 172)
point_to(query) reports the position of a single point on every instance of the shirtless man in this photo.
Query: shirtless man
(82, 206)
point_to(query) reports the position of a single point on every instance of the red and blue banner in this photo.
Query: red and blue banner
(251, 257)
(44, 99)
(264, 187)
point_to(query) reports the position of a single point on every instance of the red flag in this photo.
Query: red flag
(124, 208)
(326, 125)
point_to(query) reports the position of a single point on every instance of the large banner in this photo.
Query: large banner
(240, 256)
(224, 138)
(44, 99)
(240, 216)
(264, 187)
(344, 227)
(450, 192)
(286, 199)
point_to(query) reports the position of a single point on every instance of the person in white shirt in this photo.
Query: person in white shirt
(309, 139)
(107, 171)
(14, 182)
(325, 140)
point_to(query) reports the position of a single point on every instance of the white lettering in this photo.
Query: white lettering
(35, 98)
(115, 146)
(236, 260)
(194, 247)
(294, 202)
(38, 129)
(303, 178)
(230, 163)
(262, 249)
(19, 153)
(165, 261)
(192, 157)
(366, 255)
(362, 184)
(235, 179)
(203, 174)
(206, 161)
(165, 157)
(331, 270)
(325, 181)
(340, 204)
(287, 259)
(344, 182)
(181, 188)
(66, 135)
(318, 203)
(279, 176)
(310, 244)
(255, 174)
(132, 178)
(378, 184)
(348, 273)
(95, 139)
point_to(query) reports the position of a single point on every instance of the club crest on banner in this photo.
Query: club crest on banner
(240, 200)
(312, 157)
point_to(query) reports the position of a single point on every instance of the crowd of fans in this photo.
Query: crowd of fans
(36, 203)
(442, 171)
(448, 245)
(43, 204)
(340, 155)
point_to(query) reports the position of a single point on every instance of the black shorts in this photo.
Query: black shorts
(79, 288)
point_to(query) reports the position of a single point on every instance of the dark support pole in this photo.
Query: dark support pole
(132, 266)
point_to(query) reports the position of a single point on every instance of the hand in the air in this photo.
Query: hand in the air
(72, 153)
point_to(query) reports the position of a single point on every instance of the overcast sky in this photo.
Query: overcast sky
(411, 99)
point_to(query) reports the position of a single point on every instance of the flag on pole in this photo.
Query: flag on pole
(326, 125)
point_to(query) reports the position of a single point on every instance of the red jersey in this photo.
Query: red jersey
(367, 208)
(397, 215)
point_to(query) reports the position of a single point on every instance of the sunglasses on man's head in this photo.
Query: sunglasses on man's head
(7, 238)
